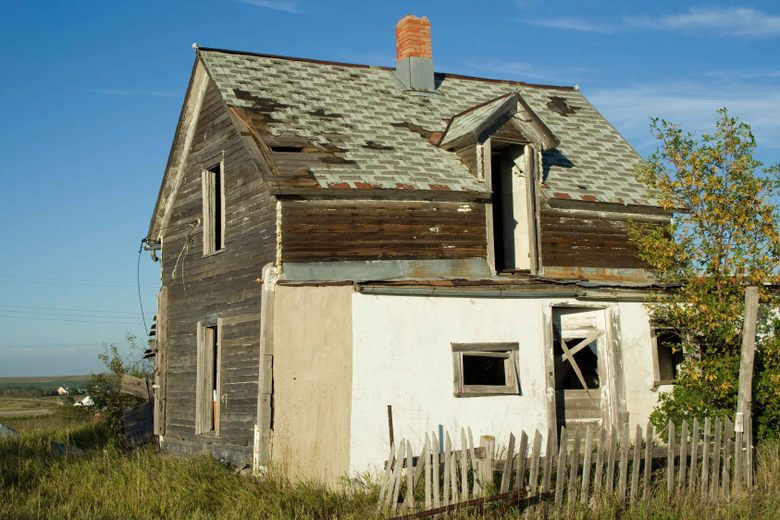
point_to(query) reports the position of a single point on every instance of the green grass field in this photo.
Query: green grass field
(107, 482)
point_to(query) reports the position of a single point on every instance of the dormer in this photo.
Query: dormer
(502, 140)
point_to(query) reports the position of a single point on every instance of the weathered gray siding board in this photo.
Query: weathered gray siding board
(223, 284)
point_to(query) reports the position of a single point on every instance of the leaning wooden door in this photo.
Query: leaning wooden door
(578, 351)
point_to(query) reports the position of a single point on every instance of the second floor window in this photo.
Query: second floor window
(213, 209)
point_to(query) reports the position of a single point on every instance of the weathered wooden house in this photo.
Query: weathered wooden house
(337, 238)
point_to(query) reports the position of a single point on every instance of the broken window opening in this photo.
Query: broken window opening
(668, 354)
(213, 209)
(587, 360)
(482, 369)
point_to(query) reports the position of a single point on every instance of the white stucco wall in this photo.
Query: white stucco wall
(402, 356)
(637, 354)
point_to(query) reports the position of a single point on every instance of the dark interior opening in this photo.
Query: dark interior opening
(483, 370)
(588, 361)
(216, 216)
(214, 346)
(287, 149)
(670, 354)
(498, 213)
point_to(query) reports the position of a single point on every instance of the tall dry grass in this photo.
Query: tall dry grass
(106, 482)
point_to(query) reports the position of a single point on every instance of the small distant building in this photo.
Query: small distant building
(63, 391)
(87, 401)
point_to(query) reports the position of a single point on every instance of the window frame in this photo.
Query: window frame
(205, 366)
(657, 381)
(208, 197)
(506, 350)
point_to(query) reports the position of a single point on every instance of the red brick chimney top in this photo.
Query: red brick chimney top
(413, 38)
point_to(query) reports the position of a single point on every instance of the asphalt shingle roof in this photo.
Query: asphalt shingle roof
(384, 135)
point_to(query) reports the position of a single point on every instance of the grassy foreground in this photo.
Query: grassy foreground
(106, 482)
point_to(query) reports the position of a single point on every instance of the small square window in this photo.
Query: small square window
(667, 355)
(484, 369)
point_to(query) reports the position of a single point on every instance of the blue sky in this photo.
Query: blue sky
(91, 92)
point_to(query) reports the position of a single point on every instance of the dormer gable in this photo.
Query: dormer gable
(508, 115)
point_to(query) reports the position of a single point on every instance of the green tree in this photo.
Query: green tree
(104, 388)
(724, 236)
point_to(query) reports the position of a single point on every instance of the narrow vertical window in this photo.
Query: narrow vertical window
(213, 209)
(208, 382)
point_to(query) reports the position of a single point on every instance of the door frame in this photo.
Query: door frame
(613, 402)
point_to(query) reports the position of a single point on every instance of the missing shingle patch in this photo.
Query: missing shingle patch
(559, 105)
(320, 112)
(260, 104)
(373, 145)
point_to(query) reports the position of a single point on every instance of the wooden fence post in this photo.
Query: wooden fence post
(486, 464)
(745, 395)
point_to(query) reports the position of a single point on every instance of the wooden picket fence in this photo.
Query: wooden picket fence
(709, 460)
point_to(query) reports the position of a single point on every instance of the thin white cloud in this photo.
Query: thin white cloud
(526, 71)
(710, 21)
(735, 21)
(573, 24)
(132, 92)
(691, 104)
(276, 5)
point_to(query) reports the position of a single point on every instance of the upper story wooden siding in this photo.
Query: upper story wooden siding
(327, 230)
(581, 240)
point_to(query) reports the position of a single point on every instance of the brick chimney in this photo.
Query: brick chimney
(414, 60)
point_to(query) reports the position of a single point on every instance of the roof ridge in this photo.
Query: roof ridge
(573, 88)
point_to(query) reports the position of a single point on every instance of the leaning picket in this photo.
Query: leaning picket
(598, 475)
(692, 475)
(705, 459)
(648, 458)
(533, 476)
(560, 469)
(623, 464)
(683, 456)
(635, 463)
(549, 455)
(714, 478)
(522, 453)
(574, 465)
(725, 478)
(611, 462)
(586, 466)
(506, 475)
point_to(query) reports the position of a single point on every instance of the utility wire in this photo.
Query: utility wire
(66, 281)
(43, 307)
(66, 319)
(138, 283)
(68, 314)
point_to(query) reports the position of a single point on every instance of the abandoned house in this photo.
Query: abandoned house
(337, 238)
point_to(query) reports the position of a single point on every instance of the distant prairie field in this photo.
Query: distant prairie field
(79, 381)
